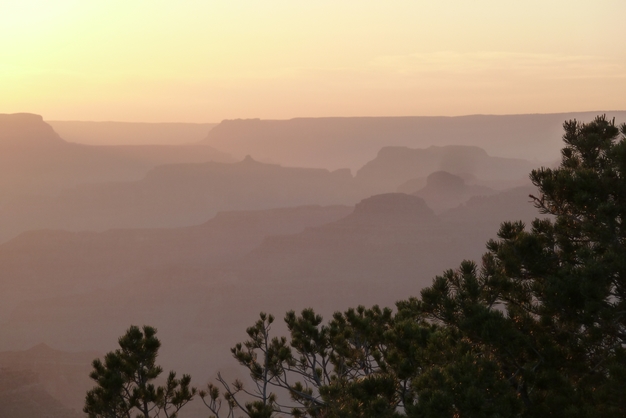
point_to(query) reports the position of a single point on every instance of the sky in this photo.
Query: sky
(205, 61)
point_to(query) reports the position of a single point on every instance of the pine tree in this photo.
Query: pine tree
(124, 381)
(548, 303)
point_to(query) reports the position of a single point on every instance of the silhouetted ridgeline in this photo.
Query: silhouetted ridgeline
(22, 395)
(43, 382)
(67, 187)
(34, 159)
(351, 142)
(178, 195)
(25, 130)
(447, 191)
(393, 167)
(84, 261)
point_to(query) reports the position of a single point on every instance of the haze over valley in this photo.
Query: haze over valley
(441, 182)
(108, 236)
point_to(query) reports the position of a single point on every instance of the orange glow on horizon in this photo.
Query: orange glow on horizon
(193, 61)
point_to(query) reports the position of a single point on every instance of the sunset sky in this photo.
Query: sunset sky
(204, 61)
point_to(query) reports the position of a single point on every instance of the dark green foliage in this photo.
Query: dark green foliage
(461, 379)
(548, 302)
(327, 370)
(124, 381)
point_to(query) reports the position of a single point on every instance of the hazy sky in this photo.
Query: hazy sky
(204, 61)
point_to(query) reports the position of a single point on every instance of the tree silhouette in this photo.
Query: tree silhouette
(124, 381)
(548, 304)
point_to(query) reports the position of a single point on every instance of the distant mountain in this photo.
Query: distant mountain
(390, 247)
(487, 212)
(178, 195)
(35, 160)
(412, 185)
(26, 131)
(131, 133)
(43, 382)
(23, 396)
(74, 262)
(392, 241)
(393, 167)
(446, 191)
(350, 142)
(46, 182)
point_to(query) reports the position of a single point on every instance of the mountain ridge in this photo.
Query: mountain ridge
(336, 142)
(35, 160)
